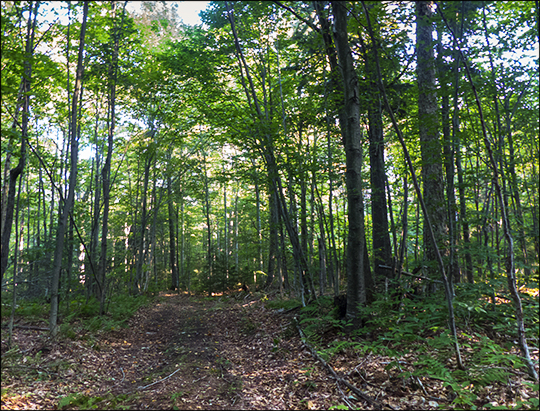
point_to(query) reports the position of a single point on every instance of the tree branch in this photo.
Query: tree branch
(361, 394)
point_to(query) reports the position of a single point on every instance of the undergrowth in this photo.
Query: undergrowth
(86, 402)
(415, 328)
(80, 321)
(86, 314)
(81, 315)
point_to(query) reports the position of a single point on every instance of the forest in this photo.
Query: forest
(292, 205)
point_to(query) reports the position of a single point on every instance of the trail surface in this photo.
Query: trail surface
(194, 353)
(182, 351)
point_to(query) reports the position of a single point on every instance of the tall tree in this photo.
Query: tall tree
(172, 232)
(382, 251)
(24, 95)
(349, 116)
(428, 124)
(68, 204)
(106, 172)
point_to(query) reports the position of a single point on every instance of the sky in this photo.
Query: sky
(187, 10)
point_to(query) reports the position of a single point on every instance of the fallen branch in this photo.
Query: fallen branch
(26, 327)
(123, 377)
(163, 379)
(355, 390)
(344, 397)
(411, 274)
(292, 309)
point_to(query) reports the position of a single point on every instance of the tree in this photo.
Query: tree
(349, 116)
(382, 252)
(428, 124)
(106, 172)
(68, 204)
(14, 173)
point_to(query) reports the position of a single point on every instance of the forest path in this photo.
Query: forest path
(179, 352)
(201, 353)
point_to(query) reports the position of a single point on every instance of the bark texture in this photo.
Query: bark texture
(352, 139)
(428, 122)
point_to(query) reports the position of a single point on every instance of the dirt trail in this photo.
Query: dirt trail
(180, 352)
(192, 353)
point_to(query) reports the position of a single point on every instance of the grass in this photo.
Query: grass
(284, 304)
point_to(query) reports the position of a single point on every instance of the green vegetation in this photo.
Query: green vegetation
(417, 332)
(378, 156)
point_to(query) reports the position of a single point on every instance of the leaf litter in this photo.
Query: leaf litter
(188, 352)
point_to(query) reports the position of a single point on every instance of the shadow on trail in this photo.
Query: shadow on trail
(214, 353)
(170, 357)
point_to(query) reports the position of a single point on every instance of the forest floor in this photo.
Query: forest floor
(187, 352)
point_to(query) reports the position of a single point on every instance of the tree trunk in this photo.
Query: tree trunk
(382, 250)
(90, 281)
(225, 236)
(461, 187)
(349, 115)
(172, 237)
(14, 295)
(144, 211)
(432, 175)
(106, 172)
(208, 227)
(259, 229)
(68, 204)
(449, 157)
(273, 239)
(9, 203)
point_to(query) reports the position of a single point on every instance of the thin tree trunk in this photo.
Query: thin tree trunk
(404, 225)
(333, 264)
(236, 231)
(16, 172)
(514, 184)
(15, 257)
(172, 231)
(510, 268)
(68, 205)
(382, 250)
(273, 238)
(69, 270)
(225, 235)
(183, 269)
(94, 239)
(172, 238)
(259, 228)
(144, 211)
(106, 172)
(151, 256)
(461, 187)
(208, 227)
(283, 257)
(432, 175)
(449, 156)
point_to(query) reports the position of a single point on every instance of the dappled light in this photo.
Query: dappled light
(273, 205)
